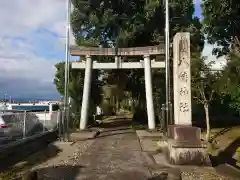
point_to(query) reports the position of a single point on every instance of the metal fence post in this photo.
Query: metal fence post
(163, 119)
(44, 121)
(94, 119)
(67, 124)
(171, 113)
(59, 120)
(63, 116)
(24, 124)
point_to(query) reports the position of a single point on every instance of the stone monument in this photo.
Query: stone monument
(184, 141)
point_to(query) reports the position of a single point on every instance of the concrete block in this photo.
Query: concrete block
(149, 145)
(149, 134)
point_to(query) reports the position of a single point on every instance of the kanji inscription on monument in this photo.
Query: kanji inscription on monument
(183, 51)
(183, 76)
(182, 79)
(183, 91)
(183, 106)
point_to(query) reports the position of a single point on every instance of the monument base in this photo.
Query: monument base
(184, 146)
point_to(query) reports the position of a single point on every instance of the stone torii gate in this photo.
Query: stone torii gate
(184, 145)
(89, 64)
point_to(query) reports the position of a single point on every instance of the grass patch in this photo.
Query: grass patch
(224, 146)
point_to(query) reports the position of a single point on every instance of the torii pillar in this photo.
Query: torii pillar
(86, 92)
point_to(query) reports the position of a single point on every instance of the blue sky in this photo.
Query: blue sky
(32, 40)
(198, 11)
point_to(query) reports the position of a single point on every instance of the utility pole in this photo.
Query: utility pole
(65, 116)
(167, 69)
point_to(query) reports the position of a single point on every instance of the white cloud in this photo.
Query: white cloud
(25, 50)
(219, 63)
(22, 72)
(21, 17)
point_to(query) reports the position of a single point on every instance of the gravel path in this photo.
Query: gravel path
(115, 154)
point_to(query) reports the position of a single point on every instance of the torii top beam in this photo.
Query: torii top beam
(133, 51)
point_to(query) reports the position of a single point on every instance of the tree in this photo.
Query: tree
(76, 83)
(129, 23)
(231, 81)
(205, 87)
(235, 97)
(222, 24)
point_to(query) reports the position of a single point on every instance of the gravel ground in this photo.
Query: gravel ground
(69, 153)
(203, 173)
(56, 159)
(66, 163)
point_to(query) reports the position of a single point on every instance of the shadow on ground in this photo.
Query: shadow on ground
(117, 123)
(9, 168)
(226, 155)
(58, 172)
(114, 134)
(115, 127)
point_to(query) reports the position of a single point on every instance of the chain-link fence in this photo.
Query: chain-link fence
(18, 125)
(163, 120)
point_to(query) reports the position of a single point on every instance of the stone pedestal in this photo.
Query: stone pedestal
(185, 135)
(184, 146)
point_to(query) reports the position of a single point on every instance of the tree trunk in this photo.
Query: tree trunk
(117, 104)
(206, 108)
